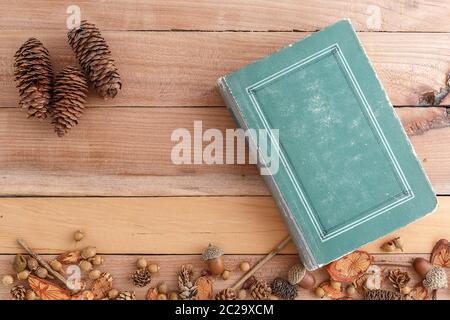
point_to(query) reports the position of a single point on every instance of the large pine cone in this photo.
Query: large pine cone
(260, 290)
(94, 56)
(34, 75)
(69, 97)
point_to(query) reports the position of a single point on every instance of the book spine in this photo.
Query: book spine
(294, 229)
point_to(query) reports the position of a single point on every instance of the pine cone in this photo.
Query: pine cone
(380, 294)
(283, 289)
(126, 295)
(226, 294)
(94, 56)
(69, 97)
(141, 277)
(186, 288)
(260, 290)
(398, 278)
(18, 292)
(34, 75)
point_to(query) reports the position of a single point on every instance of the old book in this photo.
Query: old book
(347, 172)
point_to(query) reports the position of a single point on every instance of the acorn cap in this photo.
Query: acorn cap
(212, 252)
(435, 279)
(296, 274)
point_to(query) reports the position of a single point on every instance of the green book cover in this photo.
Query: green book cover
(347, 172)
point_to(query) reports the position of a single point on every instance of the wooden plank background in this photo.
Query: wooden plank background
(170, 54)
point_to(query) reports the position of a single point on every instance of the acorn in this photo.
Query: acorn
(162, 288)
(319, 292)
(23, 275)
(173, 296)
(213, 256)
(96, 261)
(85, 266)
(94, 274)
(153, 268)
(78, 235)
(88, 252)
(141, 263)
(113, 294)
(298, 275)
(434, 277)
(244, 266)
(226, 275)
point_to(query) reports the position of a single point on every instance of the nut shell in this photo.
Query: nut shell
(296, 274)
(212, 252)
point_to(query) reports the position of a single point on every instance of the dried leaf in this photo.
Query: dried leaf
(331, 292)
(440, 256)
(204, 288)
(102, 286)
(70, 257)
(350, 267)
(46, 290)
(418, 293)
(152, 294)
(83, 295)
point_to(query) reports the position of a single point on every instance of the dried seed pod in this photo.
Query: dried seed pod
(95, 59)
(97, 260)
(7, 280)
(57, 266)
(113, 294)
(34, 75)
(88, 252)
(94, 274)
(32, 264)
(244, 266)
(30, 295)
(162, 288)
(42, 272)
(153, 268)
(20, 263)
(78, 235)
(213, 256)
(226, 275)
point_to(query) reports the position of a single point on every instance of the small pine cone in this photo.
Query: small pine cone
(260, 290)
(380, 294)
(226, 294)
(398, 278)
(187, 290)
(18, 292)
(34, 75)
(69, 97)
(141, 277)
(94, 56)
(283, 289)
(126, 295)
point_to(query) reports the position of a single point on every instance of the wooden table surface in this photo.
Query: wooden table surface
(112, 176)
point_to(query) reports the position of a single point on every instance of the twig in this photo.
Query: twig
(263, 261)
(43, 262)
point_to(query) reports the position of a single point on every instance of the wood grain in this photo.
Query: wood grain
(127, 152)
(122, 266)
(241, 225)
(254, 15)
(181, 68)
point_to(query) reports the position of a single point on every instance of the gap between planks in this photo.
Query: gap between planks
(122, 266)
(241, 225)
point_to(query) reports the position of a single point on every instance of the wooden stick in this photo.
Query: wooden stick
(43, 263)
(262, 262)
